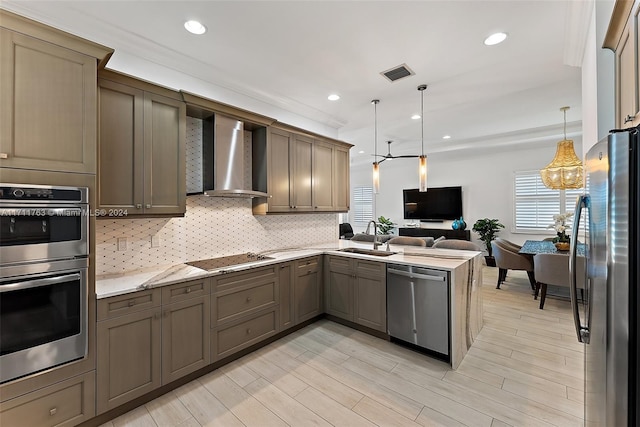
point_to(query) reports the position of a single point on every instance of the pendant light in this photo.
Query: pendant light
(565, 170)
(376, 164)
(422, 168)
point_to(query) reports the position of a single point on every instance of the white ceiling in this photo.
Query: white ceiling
(293, 54)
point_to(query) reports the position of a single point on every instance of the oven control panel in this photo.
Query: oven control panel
(30, 193)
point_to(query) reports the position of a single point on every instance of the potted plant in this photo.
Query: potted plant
(487, 230)
(385, 225)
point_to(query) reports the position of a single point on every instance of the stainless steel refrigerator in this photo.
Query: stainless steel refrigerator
(607, 321)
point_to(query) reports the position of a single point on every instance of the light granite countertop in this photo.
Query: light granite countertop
(118, 284)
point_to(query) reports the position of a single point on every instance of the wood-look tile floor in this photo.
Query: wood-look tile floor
(525, 369)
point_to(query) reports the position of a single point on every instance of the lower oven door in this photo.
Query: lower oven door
(43, 318)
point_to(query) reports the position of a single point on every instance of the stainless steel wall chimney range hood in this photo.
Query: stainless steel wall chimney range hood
(224, 160)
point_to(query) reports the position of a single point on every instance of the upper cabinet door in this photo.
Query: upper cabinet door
(48, 106)
(302, 175)
(278, 169)
(164, 159)
(323, 176)
(121, 143)
(341, 182)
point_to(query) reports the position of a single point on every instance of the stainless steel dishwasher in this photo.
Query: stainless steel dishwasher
(418, 307)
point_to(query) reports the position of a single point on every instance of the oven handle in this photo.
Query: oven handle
(39, 282)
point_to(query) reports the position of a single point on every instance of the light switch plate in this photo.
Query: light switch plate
(156, 241)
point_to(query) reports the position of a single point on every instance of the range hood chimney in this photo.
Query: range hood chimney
(228, 161)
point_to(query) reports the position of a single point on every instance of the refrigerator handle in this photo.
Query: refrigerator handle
(583, 202)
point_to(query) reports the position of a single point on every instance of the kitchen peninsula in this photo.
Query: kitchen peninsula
(463, 268)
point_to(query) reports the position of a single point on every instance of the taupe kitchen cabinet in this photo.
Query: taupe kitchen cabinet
(129, 348)
(623, 37)
(304, 173)
(287, 297)
(185, 329)
(341, 179)
(338, 300)
(150, 338)
(67, 403)
(356, 290)
(244, 309)
(141, 147)
(308, 289)
(48, 103)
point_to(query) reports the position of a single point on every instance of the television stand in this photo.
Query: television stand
(435, 233)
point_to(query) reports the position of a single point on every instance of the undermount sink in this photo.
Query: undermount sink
(367, 251)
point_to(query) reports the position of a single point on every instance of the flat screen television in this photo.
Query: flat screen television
(435, 204)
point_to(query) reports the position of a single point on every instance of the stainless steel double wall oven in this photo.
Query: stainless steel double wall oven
(44, 249)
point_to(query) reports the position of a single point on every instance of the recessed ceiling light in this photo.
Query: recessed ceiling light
(333, 97)
(495, 39)
(415, 116)
(194, 27)
(361, 152)
(446, 137)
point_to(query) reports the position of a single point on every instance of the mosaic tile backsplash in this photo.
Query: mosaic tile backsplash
(211, 227)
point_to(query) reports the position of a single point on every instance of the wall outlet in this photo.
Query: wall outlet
(156, 241)
(122, 243)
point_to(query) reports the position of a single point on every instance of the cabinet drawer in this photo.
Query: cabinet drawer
(241, 301)
(310, 264)
(243, 278)
(184, 291)
(338, 263)
(228, 340)
(128, 303)
(67, 403)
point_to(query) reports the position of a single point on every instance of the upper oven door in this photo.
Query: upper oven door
(42, 232)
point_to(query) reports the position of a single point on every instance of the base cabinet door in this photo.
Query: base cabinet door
(67, 403)
(129, 352)
(371, 295)
(339, 288)
(308, 289)
(185, 338)
(287, 297)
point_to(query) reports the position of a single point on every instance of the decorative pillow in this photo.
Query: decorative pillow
(428, 240)
(362, 237)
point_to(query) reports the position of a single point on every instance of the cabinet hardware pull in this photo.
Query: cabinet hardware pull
(139, 206)
(53, 411)
(156, 316)
(132, 303)
(148, 206)
(4, 156)
(188, 290)
(248, 331)
(166, 313)
(629, 118)
(248, 299)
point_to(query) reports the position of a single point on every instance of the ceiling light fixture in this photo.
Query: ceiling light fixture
(446, 137)
(415, 117)
(565, 170)
(361, 152)
(195, 27)
(376, 164)
(333, 97)
(422, 168)
(495, 38)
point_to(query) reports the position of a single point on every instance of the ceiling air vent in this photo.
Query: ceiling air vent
(397, 73)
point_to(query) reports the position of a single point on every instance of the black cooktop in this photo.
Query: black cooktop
(226, 261)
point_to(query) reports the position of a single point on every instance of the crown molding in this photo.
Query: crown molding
(577, 23)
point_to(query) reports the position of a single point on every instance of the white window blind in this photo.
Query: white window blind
(535, 204)
(362, 204)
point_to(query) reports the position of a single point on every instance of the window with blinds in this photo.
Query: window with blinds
(362, 204)
(535, 204)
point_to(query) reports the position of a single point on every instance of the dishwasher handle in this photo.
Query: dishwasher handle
(416, 275)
